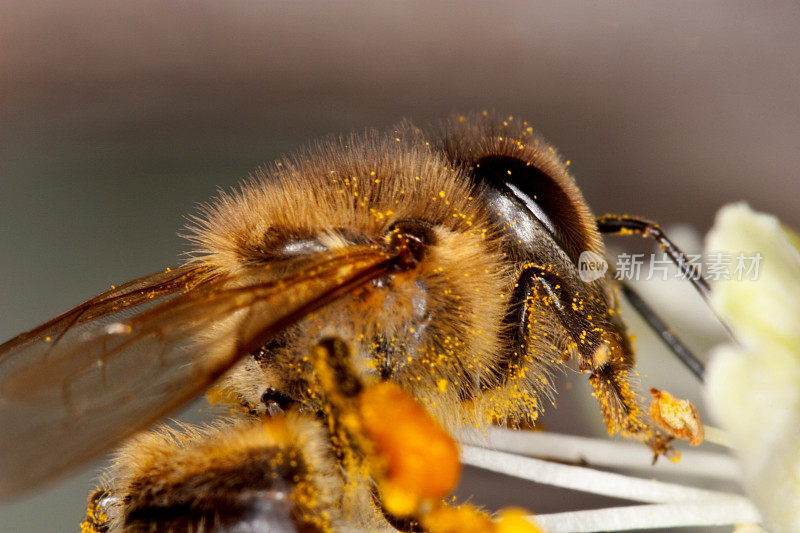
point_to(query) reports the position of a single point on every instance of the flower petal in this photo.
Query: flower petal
(754, 389)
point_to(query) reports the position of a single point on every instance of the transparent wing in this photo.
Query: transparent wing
(77, 385)
(147, 290)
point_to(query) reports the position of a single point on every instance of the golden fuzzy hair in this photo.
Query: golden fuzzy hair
(472, 331)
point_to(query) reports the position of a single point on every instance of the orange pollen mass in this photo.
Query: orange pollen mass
(421, 459)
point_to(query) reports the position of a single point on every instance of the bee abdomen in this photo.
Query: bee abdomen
(256, 477)
(256, 493)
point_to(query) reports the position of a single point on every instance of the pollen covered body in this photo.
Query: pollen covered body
(443, 322)
(470, 328)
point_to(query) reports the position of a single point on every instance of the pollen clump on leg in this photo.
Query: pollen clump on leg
(420, 460)
(447, 519)
(679, 418)
(514, 520)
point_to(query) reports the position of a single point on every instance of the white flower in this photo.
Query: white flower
(753, 387)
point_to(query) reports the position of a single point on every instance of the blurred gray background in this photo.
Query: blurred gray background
(117, 118)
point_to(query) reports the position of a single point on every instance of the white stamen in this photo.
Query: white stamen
(589, 480)
(735, 511)
(605, 453)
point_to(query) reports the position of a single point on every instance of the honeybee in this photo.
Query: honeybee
(356, 303)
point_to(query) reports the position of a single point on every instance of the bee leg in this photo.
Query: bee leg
(339, 386)
(605, 351)
(620, 406)
(681, 351)
(627, 225)
(382, 433)
(538, 282)
(341, 389)
(518, 317)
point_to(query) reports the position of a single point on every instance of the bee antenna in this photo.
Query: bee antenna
(681, 351)
(628, 225)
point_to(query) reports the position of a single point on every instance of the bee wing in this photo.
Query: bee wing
(97, 381)
(134, 293)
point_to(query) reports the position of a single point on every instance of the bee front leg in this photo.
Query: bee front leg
(621, 408)
(536, 287)
(627, 225)
(593, 331)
